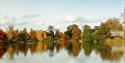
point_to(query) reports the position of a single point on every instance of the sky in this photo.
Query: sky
(59, 13)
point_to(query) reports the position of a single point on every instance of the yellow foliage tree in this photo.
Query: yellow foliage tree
(114, 24)
(10, 32)
(40, 35)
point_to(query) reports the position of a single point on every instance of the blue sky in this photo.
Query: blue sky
(58, 11)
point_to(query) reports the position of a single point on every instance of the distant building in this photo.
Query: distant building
(117, 33)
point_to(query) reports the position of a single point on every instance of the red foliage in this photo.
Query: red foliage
(2, 34)
(65, 40)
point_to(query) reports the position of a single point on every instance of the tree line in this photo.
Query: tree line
(98, 38)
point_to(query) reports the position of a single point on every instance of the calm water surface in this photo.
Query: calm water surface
(36, 54)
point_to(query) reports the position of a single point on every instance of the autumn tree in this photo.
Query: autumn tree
(102, 33)
(75, 32)
(75, 39)
(3, 36)
(32, 35)
(64, 40)
(16, 34)
(3, 39)
(114, 24)
(10, 32)
(39, 36)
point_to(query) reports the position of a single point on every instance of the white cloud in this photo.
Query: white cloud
(70, 18)
(8, 20)
(30, 16)
(79, 20)
(26, 21)
(37, 22)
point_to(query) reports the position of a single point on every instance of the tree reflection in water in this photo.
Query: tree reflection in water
(10, 51)
(107, 54)
(73, 49)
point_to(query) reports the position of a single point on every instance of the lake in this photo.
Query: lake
(37, 53)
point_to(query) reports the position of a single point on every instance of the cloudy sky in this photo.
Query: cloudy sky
(59, 13)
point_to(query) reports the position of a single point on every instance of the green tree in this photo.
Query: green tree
(50, 28)
(68, 32)
(87, 40)
(57, 35)
(87, 35)
(102, 33)
(50, 38)
(23, 35)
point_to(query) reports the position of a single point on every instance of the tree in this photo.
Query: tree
(87, 35)
(75, 32)
(39, 36)
(10, 32)
(50, 38)
(3, 36)
(102, 33)
(68, 32)
(16, 33)
(23, 35)
(75, 45)
(57, 35)
(114, 24)
(87, 40)
(64, 40)
(32, 35)
(50, 28)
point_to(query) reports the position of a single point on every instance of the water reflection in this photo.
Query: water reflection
(74, 49)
